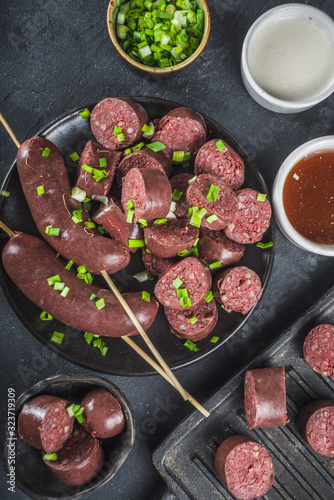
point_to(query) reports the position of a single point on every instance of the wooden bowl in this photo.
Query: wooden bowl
(111, 15)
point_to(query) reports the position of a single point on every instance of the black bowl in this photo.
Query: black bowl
(32, 475)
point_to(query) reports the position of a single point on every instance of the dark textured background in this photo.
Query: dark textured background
(56, 56)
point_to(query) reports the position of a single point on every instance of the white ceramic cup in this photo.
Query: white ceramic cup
(325, 143)
(257, 93)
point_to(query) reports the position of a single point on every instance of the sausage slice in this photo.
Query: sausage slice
(195, 323)
(104, 417)
(319, 349)
(315, 423)
(171, 237)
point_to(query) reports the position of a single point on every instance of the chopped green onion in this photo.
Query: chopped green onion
(178, 156)
(71, 410)
(104, 350)
(89, 337)
(183, 253)
(53, 279)
(46, 152)
(5, 193)
(192, 179)
(150, 277)
(146, 296)
(120, 137)
(213, 193)
(182, 292)
(130, 215)
(40, 190)
(220, 145)
(117, 130)
(214, 339)
(100, 303)
(211, 218)
(80, 418)
(85, 113)
(99, 174)
(129, 205)
(177, 195)
(52, 231)
(193, 320)
(160, 221)
(78, 194)
(264, 245)
(74, 156)
(215, 265)
(138, 146)
(57, 337)
(201, 213)
(81, 272)
(50, 456)
(103, 162)
(143, 223)
(141, 277)
(136, 243)
(89, 224)
(156, 146)
(209, 296)
(148, 130)
(69, 264)
(45, 316)
(100, 229)
(147, 250)
(261, 197)
(88, 278)
(87, 168)
(65, 291)
(77, 216)
(195, 220)
(191, 345)
(93, 296)
(185, 301)
(177, 283)
(127, 151)
(59, 285)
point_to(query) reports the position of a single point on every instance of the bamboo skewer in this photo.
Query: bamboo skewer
(164, 369)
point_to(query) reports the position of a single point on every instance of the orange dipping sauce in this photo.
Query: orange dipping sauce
(308, 197)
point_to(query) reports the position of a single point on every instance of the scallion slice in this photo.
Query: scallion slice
(141, 277)
(146, 296)
(127, 151)
(138, 146)
(117, 130)
(78, 194)
(136, 243)
(74, 156)
(57, 337)
(195, 220)
(52, 280)
(213, 193)
(103, 161)
(177, 283)
(5, 193)
(50, 456)
(77, 216)
(211, 218)
(40, 190)
(220, 145)
(88, 278)
(178, 156)
(191, 345)
(93, 296)
(120, 137)
(45, 316)
(89, 224)
(130, 215)
(193, 320)
(215, 265)
(190, 181)
(156, 146)
(59, 285)
(87, 168)
(143, 223)
(177, 195)
(89, 337)
(264, 245)
(69, 264)
(129, 205)
(46, 152)
(85, 113)
(100, 304)
(160, 221)
(261, 197)
(100, 230)
(209, 296)
(52, 231)
(65, 291)
(148, 130)
(214, 339)
(183, 253)
(99, 174)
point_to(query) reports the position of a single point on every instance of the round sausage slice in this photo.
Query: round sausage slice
(121, 112)
(91, 156)
(182, 129)
(252, 218)
(196, 283)
(265, 397)
(150, 192)
(143, 158)
(195, 323)
(171, 237)
(154, 265)
(180, 183)
(79, 460)
(214, 246)
(44, 423)
(244, 467)
(104, 417)
(315, 423)
(238, 289)
(319, 349)
(223, 208)
(226, 164)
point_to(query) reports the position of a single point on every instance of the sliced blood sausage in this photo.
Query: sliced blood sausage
(44, 423)
(319, 349)
(182, 129)
(171, 237)
(79, 460)
(204, 318)
(251, 220)
(265, 397)
(195, 277)
(121, 112)
(180, 182)
(85, 246)
(91, 156)
(224, 207)
(143, 158)
(113, 220)
(315, 423)
(150, 192)
(226, 164)
(238, 289)
(154, 265)
(104, 417)
(244, 467)
(29, 262)
(214, 246)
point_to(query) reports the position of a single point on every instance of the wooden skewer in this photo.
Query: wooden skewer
(165, 371)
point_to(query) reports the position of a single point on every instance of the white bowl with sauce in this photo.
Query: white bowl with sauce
(287, 60)
(303, 196)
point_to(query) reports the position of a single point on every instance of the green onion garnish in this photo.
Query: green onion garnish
(213, 193)
(143, 223)
(78, 194)
(146, 128)
(190, 181)
(211, 218)
(265, 245)
(77, 216)
(214, 339)
(177, 195)
(65, 291)
(150, 277)
(85, 113)
(71, 410)
(74, 156)
(177, 283)
(89, 337)
(69, 264)
(103, 162)
(147, 250)
(100, 229)
(99, 174)
(129, 205)
(138, 146)
(220, 145)
(185, 301)
(183, 253)
(88, 278)
(50, 456)
(46, 152)
(100, 303)
(136, 243)
(93, 296)
(120, 137)
(5, 193)
(127, 151)
(146, 296)
(45, 316)
(89, 224)
(40, 190)
(201, 213)
(182, 292)
(195, 220)
(209, 296)
(156, 146)
(193, 320)
(215, 265)
(160, 221)
(178, 156)
(261, 197)
(117, 130)
(130, 215)
(87, 168)
(59, 285)
(52, 231)
(57, 337)
(191, 345)
(81, 271)
(53, 279)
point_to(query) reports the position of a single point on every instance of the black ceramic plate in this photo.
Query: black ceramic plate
(33, 476)
(70, 133)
